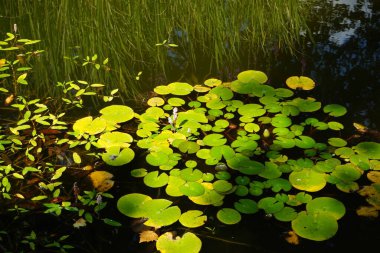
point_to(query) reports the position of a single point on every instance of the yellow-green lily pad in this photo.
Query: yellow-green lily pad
(228, 216)
(155, 101)
(117, 113)
(193, 219)
(132, 205)
(155, 180)
(116, 157)
(300, 82)
(188, 243)
(326, 205)
(307, 180)
(115, 138)
(369, 149)
(254, 76)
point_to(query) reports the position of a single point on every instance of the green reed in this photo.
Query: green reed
(211, 35)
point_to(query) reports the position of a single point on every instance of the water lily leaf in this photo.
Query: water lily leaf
(271, 171)
(152, 114)
(208, 177)
(251, 110)
(252, 76)
(210, 197)
(228, 216)
(246, 206)
(214, 140)
(252, 127)
(87, 125)
(286, 214)
(223, 92)
(369, 149)
(300, 82)
(241, 190)
(191, 115)
(306, 105)
(242, 144)
(281, 121)
(180, 89)
(335, 110)
(307, 180)
(116, 157)
(242, 88)
(155, 180)
(115, 138)
(242, 180)
(190, 174)
(117, 113)
(304, 142)
(337, 142)
(162, 89)
(270, 205)
(212, 82)
(157, 158)
(176, 101)
(222, 186)
(188, 243)
(139, 172)
(284, 93)
(189, 147)
(132, 205)
(172, 189)
(245, 165)
(101, 180)
(193, 219)
(162, 217)
(278, 184)
(347, 172)
(333, 125)
(315, 226)
(156, 101)
(290, 110)
(326, 205)
(192, 189)
(284, 142)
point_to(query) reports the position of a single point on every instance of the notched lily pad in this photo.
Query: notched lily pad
(117, 113)
(300, 82)
(193, 219)
(228, 216)
(188, 243)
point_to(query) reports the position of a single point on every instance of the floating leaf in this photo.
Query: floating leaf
(192, 189)
(188, 243)
(101, 180)
(252, 76)
(154, 180)
(228, 216)
(210, 196)
(193, 219)
(117, 113)
(246, 206)
(214, 140)
(301, 82)
(115, 138)
(307, 180)
(132, 205)
(335, 110)
(369, 149)
(326, 205)
(116, 157)
(286, 214)
(180, 89)
(148, 236)
(315, 226)
(337, 142)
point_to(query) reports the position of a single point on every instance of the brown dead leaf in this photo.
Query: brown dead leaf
(374, 176)
(148, 236)
(292, 238)
(368, 211)
(101, 180)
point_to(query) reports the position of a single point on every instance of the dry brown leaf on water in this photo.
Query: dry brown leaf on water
(101, 180)
(374, 176)
(79, 223)
(368, 211)
(292, 238)
(148, 236)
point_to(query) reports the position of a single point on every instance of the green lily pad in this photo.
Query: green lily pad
(212, 82)
(191, 175)
(315, 226)
(162, 217)
(155, 101)
(116, 157)
(270, 205)
(222, 186)
(157, 158)
(246, 206)
(326, 205)
(192, 189)
(223, 92)
(228, 216)
(347, 172)
(180, 89)
(210, 197)
(300, 82)
(307, 180)
(271, 171)
(252, 76)
(132, 205)
(115, 138)
(251, 110)
(241, 190)
(188, 243)
(117, 113)
(214, 140)
(304, 142)
(154, 180)
(284, 93)
(176, 101)
(281, 121)
(369, 149)
(245, 165)
(335, 110)
(337, 142)
(286, 214)
(139, 172)
(172, 188)
(87, 125)
(193, 219)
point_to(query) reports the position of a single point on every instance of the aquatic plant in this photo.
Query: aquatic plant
(245, 147)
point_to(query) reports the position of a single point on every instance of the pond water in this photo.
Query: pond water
(343, 60)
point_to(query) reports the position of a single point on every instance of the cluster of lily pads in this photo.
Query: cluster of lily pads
(243, 141)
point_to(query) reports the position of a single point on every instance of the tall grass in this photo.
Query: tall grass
(211, 35)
